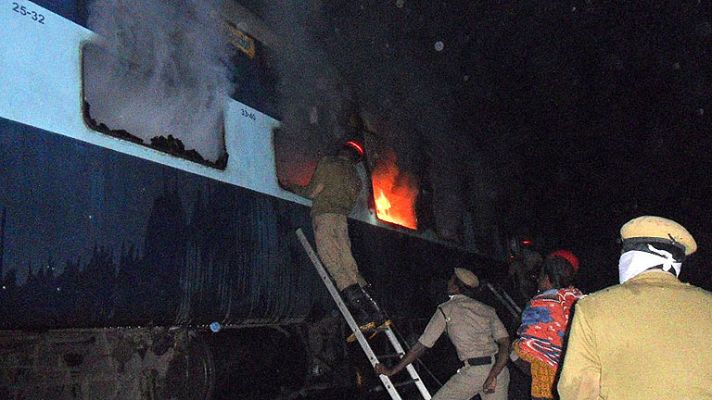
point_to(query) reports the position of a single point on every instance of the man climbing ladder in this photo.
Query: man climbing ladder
(334, 189)
(390, 387)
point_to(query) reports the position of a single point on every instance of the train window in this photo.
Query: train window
(315, 122)
(255, 75)
(160, 102)
(395, 191)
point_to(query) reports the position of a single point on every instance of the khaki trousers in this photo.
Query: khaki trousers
(331, 232)
(468, 382)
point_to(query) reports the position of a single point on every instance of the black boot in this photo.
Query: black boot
(357, 301)
(374, 311)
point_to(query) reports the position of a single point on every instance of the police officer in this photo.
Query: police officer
(481, 341)
(649, 337)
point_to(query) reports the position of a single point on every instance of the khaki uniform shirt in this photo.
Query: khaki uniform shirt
(472, 326)
(649, 338)
(341, 186)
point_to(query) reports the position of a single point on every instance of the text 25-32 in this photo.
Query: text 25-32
(22, 10)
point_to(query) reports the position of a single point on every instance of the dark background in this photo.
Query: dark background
(585, 113)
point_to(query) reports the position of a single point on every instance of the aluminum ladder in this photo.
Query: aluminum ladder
(390, 387)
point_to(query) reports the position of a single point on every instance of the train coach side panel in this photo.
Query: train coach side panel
(93, 237)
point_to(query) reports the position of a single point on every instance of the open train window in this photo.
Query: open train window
(255, 73)
(395, 191)
(166, 104)
(313, 125)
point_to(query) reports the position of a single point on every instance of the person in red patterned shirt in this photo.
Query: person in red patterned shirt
(545, 321)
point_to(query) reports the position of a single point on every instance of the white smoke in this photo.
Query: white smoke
(314, 97)
(162, 68)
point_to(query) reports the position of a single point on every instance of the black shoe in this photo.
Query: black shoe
(357, 302)
(376, 315)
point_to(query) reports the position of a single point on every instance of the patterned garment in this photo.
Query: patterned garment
(544, 323)
(543, 376)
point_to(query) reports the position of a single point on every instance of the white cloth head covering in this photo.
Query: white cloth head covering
(635, 262)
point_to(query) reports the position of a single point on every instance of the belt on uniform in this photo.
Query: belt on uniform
(487, 360)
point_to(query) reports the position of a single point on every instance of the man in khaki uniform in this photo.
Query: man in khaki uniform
(649, 337)
(334, 189)
(481, 341)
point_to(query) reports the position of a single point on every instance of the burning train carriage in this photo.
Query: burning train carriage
(121, 248)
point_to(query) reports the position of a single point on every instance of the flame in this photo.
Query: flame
(394, 193)
(382, 203)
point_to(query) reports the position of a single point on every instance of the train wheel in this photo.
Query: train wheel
(191, 373)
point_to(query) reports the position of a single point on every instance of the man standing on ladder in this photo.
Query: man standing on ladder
(334, 189)
(480, 338)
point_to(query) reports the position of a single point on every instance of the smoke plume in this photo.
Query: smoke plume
(161, 68)
(315, 100)
(332, 47)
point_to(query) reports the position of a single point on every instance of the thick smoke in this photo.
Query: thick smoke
(338, 55)
(315, 102)
(162, 68)
(403, 103)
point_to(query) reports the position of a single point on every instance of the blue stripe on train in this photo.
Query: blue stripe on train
(95, 237)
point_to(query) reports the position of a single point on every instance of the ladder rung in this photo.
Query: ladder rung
(388, 385)
(395, 384)
(403, 383)
(390, 356)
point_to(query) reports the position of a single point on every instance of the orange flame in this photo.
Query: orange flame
(394, 193)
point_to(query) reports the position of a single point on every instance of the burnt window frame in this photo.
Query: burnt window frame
(168, 145)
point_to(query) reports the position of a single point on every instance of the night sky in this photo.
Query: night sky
(579, 114)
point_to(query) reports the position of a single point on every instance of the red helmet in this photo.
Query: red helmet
(355, 146)
(568, 256)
